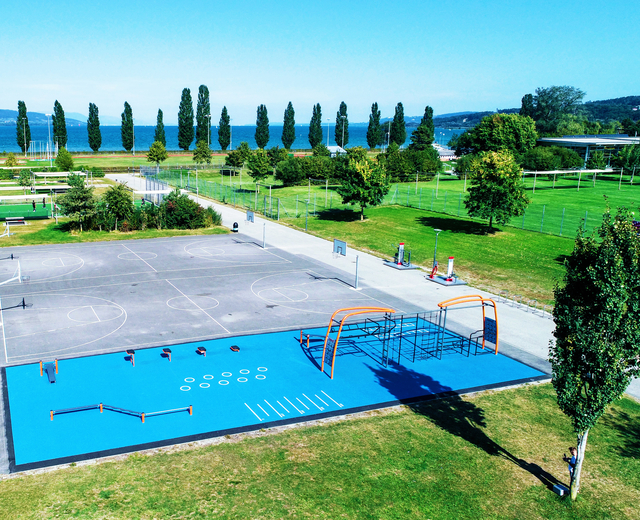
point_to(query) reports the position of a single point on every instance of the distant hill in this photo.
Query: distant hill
(8, 118)
(613, 109)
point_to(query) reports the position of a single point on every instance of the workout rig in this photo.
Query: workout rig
(397, 337)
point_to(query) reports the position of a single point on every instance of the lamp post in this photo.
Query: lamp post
(133, 128)
(389, 134)
(343, 118)
(24, 134)
(435, 249)
(49, 141)
(209, 130)
(231, 135)
(328, 122)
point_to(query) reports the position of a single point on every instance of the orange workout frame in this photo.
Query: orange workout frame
(473, 298)
(357, 310)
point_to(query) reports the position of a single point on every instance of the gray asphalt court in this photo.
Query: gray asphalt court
(103, 297)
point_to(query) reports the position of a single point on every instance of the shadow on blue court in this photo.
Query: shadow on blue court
(272, 379)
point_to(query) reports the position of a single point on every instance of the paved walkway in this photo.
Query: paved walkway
(524, 334)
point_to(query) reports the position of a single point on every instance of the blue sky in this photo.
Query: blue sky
(453, 56)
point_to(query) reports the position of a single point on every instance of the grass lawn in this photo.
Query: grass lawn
(519, 261)
(48, 232)
(489, 456)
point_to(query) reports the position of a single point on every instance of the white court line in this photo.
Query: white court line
(4, 339)
(254, 413)
(263, 410)
(198, 306)
(140, 258)
(273, 408)
(283, 406)
(320, 399)
(325, 393)
(298, 409)
(298, 399)
(314, 404)
(282, 294)
(96, 314)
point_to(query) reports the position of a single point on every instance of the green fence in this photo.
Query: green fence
(440, 195)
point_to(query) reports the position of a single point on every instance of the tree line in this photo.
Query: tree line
(198, 126)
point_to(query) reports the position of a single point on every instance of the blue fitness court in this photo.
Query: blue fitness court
(211, 388)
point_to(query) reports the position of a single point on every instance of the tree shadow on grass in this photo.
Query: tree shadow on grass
(561, 259)
(468, 227)
(340, 215)
(448, 411)
(628, 428)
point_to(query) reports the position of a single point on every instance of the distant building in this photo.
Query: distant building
(446, 154)
(585, 145)
(336, 150)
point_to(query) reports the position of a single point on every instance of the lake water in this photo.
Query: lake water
(111, 139)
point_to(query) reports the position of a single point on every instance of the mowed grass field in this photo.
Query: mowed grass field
(488, 456)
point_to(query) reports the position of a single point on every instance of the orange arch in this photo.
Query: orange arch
(356, 311)
(474, 298)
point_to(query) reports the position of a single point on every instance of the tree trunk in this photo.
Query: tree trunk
(575, 481)
(490, 222)
(361, 213)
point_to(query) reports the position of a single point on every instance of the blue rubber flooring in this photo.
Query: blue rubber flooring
(271, 379)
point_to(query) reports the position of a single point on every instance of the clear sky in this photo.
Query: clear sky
(453, 56)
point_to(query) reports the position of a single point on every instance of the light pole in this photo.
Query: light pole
(49, 141)
(24, 133)
(343, 118)
(231, 135)
(389, 134)
(435, 249)
(328, 122)
(133, 128)
(209, 131)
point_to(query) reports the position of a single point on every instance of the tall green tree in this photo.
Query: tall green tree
(262, 127)
(224, 129)
(185, 120)
(497, 191)
(93, 128)
(120, 204)
(157, 153)
(398, 132)
(159, 134)
(289, 127)
(422, 137)
(373, 130)
(596, 161)
(79, 203)
(596, 352)
(341, 130)
(629, 159)
(548, 105)
(126, 128)
(202, 153)
(203, 116)
(59, 125)
(527, 109)
(315, 126)
(23, 134)
(366, 183)
(64, 160)
(258, 164)
(511, 132)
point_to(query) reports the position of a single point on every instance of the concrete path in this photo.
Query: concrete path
(524, 334)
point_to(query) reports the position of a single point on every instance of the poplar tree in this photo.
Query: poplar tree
(203, 116)
(159, 135)
(185, 120)
(341, 130)
(262, 127)
(224, 129)
(23, 134)
(422, 137)
(315, 126)
(289, 127)
(373, 130)
(59, 125)
(93, 128)
(398, 131)
(126, 128)
(597, 349)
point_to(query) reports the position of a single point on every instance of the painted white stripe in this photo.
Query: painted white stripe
(325, 393)
(314, 404)
(254, 413)
(283, 406)
(140, 258)
(273, 408)
(95, 313)
(298, 409)
(263, 410)
(4, 339)
(318, 397)
(198, 306)
(298, 399)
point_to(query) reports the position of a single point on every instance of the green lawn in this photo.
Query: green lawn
(489, 456)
